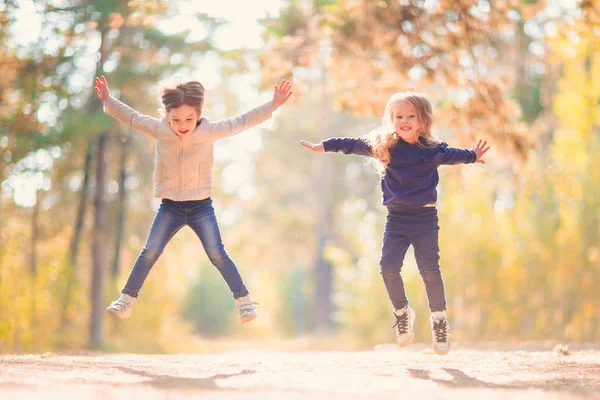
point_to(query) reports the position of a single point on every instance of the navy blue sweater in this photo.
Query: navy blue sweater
(411, 177)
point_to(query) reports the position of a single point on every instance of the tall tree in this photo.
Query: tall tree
(122, 206)
(576, 107)
(98, 246)
(53, 77)
(76, 240)
(451, 49)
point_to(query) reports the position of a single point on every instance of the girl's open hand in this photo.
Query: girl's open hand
(281, 94)
(101, 88)
(317, 148)
(480, 149)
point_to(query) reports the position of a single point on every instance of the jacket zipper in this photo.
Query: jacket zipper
(180, 167)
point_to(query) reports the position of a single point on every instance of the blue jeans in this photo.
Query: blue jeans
(419, 228)
(170, 218)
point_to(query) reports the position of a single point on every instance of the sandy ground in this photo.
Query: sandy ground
(386, 372)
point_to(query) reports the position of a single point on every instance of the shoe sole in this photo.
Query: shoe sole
(248, 318)
(116, 314)
(408, 342)
(441, 352)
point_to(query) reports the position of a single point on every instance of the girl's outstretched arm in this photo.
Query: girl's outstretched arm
(125, 114)
(452, 155)
(317, 148)
(229, 127)
(346, 145)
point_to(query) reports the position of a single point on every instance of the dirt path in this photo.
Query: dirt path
(387, 372)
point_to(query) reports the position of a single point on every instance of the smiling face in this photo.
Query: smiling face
(406, 121)
(183, 119)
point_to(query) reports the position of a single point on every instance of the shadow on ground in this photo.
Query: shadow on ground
(176, 382)
(462, 380)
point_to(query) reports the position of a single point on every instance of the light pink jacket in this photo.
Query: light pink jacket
(183, 164)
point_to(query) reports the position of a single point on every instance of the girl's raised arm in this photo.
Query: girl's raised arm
(232, 126)
(125, 114)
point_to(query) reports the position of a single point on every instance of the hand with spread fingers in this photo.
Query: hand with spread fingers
(101, 88)
(317, 148)
(281, 94)
(480, 149)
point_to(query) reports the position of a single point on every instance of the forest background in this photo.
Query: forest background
(520, 245)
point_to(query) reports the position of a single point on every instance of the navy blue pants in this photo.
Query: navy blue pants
(170, 218)
(419, 228)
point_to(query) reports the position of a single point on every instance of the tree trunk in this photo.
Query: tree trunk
(81, 208)
(329, 174)
(75, 240)
(323, 268)
(125, 146)
(98, 246)
(98, 235)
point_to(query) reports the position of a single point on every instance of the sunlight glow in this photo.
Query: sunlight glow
(241, 30)
(28, 26)
(28, 177)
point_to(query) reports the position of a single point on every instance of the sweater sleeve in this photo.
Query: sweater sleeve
(348, 145)
(229, 127)
(133, 119)
(452, 155)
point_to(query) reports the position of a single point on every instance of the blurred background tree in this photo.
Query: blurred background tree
(519, 236)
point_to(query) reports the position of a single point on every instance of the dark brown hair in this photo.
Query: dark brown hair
(190, 93)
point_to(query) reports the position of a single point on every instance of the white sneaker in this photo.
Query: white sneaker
(404, 326)
(441, 333)
(122, 307)
(246, 308)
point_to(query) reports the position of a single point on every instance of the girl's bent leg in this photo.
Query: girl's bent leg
(166, 223)
(427, 254)
(393, 251)
(204, 222)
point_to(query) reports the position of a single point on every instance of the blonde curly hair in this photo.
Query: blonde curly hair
(382, 138)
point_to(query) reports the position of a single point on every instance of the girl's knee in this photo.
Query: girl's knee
(390, 272)
(151, 252)
(431, 275)
(218, 257)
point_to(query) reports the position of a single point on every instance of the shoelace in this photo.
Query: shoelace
(440, 330)
(121, 303)
(401, 323)
(247, 306)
